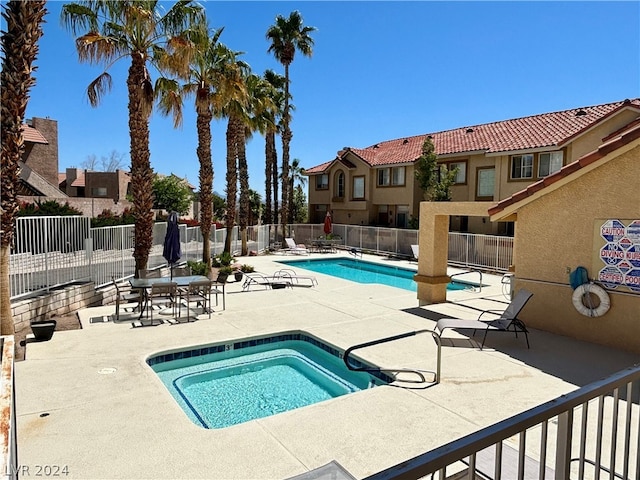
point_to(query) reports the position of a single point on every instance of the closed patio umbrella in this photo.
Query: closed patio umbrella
(171, 251)
(327, 224)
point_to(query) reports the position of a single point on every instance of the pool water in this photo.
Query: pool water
(362, 271)
(221, 389)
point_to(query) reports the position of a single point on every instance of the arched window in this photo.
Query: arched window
(339, 185)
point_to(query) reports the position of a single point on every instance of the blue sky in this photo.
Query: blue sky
(379, 71)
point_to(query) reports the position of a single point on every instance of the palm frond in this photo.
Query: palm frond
(97, 88)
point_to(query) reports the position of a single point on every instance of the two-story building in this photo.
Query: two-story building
(376, 185)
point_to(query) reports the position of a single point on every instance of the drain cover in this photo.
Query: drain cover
(107, 371)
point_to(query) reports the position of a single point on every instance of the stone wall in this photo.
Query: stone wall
(90, 207)
(57, 302)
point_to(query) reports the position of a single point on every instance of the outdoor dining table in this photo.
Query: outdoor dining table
(145, 285)
(322, 245)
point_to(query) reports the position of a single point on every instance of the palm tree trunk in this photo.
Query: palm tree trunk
(232, 181)
(286, 140)
(20, 49)
(141, 173)
(203, 124)
(244, 189)
(268, 147)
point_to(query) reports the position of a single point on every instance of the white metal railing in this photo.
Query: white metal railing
(8, 432)
(52, 251)
(591, 433)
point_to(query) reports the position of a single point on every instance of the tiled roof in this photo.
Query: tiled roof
(80, 180)
(32, 135)
(630, 133)
(545, 130)
(61, 177)
(318, 168)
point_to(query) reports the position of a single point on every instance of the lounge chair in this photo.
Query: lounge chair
(257, 279)
(507, 321)
(415, 250)
(294, 248)
(292, 277)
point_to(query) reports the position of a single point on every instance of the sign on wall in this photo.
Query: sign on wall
(618, 263)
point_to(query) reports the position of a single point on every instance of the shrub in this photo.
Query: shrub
(246, 268)
(47, 208)
(197, 267)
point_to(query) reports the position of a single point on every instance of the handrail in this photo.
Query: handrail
(435, 336)
(470, 271)
(440, 457)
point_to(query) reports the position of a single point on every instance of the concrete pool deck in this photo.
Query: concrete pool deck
(87, 399)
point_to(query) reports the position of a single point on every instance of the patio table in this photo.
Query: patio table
(145, 285)
(322, 245)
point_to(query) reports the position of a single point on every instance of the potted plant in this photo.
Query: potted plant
(43, 330)
(242, 269)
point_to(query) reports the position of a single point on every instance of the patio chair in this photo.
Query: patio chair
(130, 296)
(182, 271)
(295, 249)
(162, 294)
(507, 321)
(257, 279)
(218, 287)
(295, 279)
(145, 273)
(198, 292)
(414, 251)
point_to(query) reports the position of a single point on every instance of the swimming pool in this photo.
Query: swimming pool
(362, 271)
(223, 385)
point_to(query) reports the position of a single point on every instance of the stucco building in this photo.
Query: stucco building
(587, 214)
(376, 185)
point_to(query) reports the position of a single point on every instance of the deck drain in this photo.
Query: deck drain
(107, 371)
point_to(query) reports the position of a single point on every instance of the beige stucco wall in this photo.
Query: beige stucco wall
(555, 233)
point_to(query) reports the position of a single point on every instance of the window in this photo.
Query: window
(99, 191)
(461, 176)
(322, 182)
(390, 176)
(549, 163)
(358, 187)
(522, 166)
(340, 185)
(485, 183)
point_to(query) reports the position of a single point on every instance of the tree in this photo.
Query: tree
(434, 180)
(115, 161)
(255, 207)
(271, 155)
(296, 175)
(109, 31)
(172, 194)
(288, 36)
(299, 205)
(207, 81)
(19, 51)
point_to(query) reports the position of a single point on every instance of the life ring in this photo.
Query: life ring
(581, 294)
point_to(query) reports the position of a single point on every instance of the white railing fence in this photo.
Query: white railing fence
(591, 433)
(53, 251)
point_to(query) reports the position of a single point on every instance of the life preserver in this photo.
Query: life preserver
(587, 310)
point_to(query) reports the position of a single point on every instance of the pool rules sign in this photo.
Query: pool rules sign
(618, 262)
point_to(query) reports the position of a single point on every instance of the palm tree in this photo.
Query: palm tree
(20, 49)
(271, 155)
(296, 175)
(145, 33)
(287, 36)
(207, 81)
(233, 106)
(255, 207)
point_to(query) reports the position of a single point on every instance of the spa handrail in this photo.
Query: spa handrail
(466, 273)
(435, 336)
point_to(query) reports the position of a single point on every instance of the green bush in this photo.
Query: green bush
(246, 268)
(222, 260)
(47, 208)
(197, 267)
